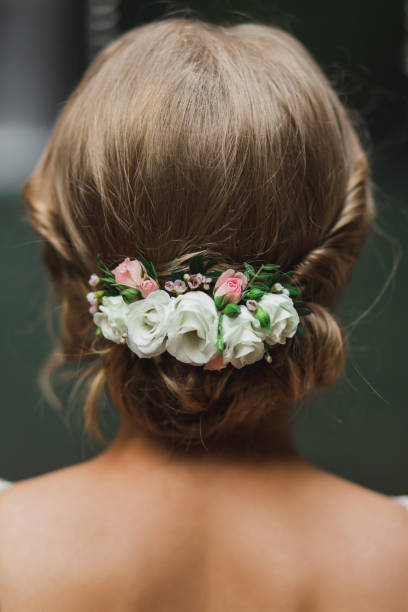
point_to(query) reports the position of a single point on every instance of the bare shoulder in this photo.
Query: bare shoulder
(27, 504)
(41, 537)
(363, 539)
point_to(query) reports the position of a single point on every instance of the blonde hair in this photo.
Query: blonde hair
(185, 134)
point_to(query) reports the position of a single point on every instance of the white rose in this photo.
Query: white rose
(147, 324)
(283, 315)
(192, 328)
(112, 318)
(243, 339)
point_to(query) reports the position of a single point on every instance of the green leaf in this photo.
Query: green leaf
(287, 275)
(274, 278)
(196, 264)
(303, 311)
(154, 275)
(264, 275)
(220, 302)
(147, 264)
(103, 267)
(253, 294)
(130, 294)
(177, 272)
(271, 267)
(293, 291)
(98, 332)
(231, 310)
(262, 286)
(109, 280)
(220, 341)
(263, 317)
(249, 270)
(300, 331)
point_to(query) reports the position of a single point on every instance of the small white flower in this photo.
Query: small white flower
(147, 321)
(279, 288)
(192, 328)
(284, 318)
(112, 318)
(243, 339)
(91, 297)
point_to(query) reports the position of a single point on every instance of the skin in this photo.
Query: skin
(141, 528)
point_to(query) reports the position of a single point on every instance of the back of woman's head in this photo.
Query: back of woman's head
(181, 135)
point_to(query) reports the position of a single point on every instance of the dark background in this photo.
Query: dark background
(359, 428)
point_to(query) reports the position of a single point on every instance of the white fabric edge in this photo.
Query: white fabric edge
(402, 499)
(4, 484)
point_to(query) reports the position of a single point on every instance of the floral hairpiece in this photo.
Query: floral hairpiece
(204, 317)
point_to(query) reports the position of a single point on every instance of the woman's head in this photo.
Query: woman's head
(184, 134)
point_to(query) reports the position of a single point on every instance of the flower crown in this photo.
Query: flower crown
(204, 318)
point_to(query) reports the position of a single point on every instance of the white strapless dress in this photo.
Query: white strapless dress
(401, 499)
(4, 484)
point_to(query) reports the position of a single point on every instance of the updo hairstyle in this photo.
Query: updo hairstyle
(184, 134)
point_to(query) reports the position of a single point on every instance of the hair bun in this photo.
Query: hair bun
(184, 405)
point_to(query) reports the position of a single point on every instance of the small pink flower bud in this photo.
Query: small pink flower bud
(91, 297)
(180, 286)
(147, 285)
(93, 280)
(206, 286)
(169, 285)
(194, 281)
(231, 289)
(216, 363)
(251, 305)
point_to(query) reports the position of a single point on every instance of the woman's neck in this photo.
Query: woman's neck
(272, 442)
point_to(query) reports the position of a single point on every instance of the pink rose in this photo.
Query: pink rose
(129, 272)
(230, 284)
(147, 285)
(230, 273)
(216, 363)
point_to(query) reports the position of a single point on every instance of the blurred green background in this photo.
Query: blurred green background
(359, 428)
